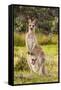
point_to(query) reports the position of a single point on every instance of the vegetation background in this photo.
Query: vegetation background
(47, 36)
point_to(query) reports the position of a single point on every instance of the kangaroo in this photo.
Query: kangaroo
(31, 40)
(36, 56)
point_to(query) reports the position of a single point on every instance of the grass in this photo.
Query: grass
(19, 39)
(51, 63)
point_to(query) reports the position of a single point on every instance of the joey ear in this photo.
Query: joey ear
(34, 21)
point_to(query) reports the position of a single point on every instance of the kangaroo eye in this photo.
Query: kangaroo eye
(29, 25)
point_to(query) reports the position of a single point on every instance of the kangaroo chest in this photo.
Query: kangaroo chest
(31, 41)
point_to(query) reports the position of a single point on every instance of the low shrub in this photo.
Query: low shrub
(19, 39)
(21, 64)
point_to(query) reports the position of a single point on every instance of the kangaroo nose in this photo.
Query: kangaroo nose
(31, 28)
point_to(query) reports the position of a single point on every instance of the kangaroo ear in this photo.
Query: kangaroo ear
(29, 21)
(34, 20)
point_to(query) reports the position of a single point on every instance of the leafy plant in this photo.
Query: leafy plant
(22, 64)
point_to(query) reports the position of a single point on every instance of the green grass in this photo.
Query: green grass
(51, 63)
(19, 39)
